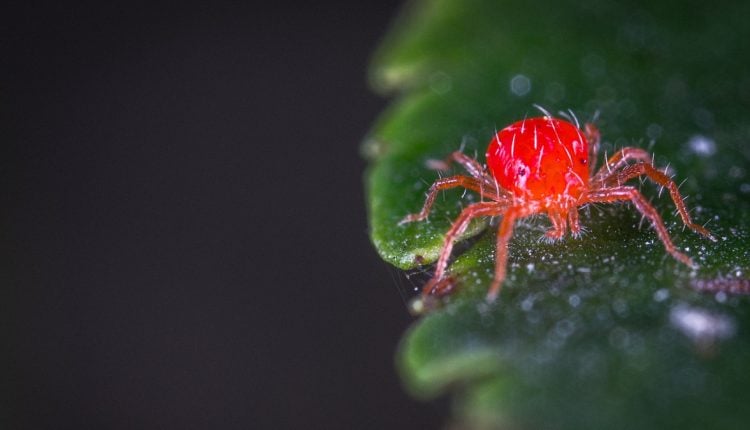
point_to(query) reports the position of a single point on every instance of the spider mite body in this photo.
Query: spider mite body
(540, 161)
(546, 166)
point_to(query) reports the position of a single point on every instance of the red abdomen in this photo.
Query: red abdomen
(543, 159)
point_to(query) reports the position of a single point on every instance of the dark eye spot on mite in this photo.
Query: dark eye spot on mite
(583, 160)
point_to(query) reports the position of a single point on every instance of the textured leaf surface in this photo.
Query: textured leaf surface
(606, 331)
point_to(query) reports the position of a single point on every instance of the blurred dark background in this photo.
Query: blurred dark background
(183, 221)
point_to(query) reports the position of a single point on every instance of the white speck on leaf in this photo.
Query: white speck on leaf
(700, 325)
(520, 85)
(574, 300)
(702, 145)
(661, 295)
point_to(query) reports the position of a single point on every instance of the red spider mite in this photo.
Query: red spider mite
(546, 165)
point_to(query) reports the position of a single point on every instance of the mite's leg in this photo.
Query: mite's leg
(477, 171)
(504, 233)
(470, 164)
(459, 226)
(593, 138)
(444, 184)
(617, 161)
(663, 180)
(609, 195)
(575, 225)
(558, 225)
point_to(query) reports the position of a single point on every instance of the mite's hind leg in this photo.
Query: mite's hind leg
(663, 180)
(610, 195)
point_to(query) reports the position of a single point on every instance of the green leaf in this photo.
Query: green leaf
(605, 331)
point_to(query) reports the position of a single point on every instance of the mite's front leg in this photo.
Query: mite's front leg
(444, 184)
(459, 226)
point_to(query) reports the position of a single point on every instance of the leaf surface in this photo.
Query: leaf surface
(604, 331)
